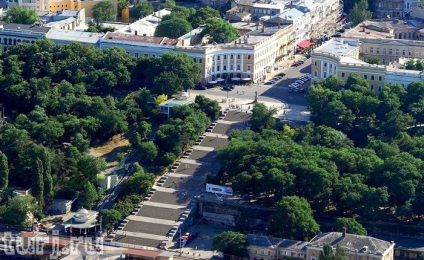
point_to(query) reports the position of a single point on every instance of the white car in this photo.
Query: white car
(300, 82)
(294, 85)
(307, 74)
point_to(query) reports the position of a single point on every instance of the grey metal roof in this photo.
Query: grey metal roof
(352, 242)
(24, 27)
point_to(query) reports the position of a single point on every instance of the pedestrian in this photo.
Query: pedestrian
(237, 91)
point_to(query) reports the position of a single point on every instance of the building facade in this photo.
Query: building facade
(357, 247)
(343, 57)
(394, 8)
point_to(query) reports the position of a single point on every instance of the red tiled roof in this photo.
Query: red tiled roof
(142, 253)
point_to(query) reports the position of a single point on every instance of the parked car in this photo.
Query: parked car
(281, 74)
(200, 87)
(278, 77)
(301, 90)
(271, 82)
(308, 55)
(300, 82)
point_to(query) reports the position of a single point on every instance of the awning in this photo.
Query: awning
(246, 79)
(212, 82)
(219, 79)
(304, 44)
(235, 79)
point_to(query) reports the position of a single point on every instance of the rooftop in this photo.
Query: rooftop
(60, 23)
(269, 6)
(177, 102)
(119, 36)
(381, 29)
(291, 14)
(352, 242)
(338, 46)
(147, 25)
(88, 216)
(74, 36)
(24, 27)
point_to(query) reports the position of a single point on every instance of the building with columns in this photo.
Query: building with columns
(342, 57)
(249, 57)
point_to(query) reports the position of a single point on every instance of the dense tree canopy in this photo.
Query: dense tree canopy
(104, 11)
(142, 10)
(232, 243)
(220, 30)
(360, 12)
(293, 219)
(173, 28)
(351, 226)
(18, 14)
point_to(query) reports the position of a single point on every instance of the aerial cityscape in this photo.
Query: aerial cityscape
(212, 129)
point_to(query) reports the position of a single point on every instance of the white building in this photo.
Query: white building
(340, 57)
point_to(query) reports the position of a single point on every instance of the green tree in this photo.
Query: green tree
(173, 28)
(109, 218)
(18, 210)
(262, 118)
(327, 253)
(373, 60)
(139, 183)
(18, 14)
(168, 4)
(148, 151)
(104, 11)
(293, 219)
(359, 12)
(231, 243)
(220, 30)
(210, 107)
(143, 9)
(202, 15)
(352, 226)
(38, 181)
(4, 172)
(410, 65)
(90, 195)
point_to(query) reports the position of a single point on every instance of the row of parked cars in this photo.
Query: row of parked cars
(275, 79)
(297, 86)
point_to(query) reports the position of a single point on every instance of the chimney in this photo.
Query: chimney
(344, 231)
(135, 32)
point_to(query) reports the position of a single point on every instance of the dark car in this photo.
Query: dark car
(281, 74)
(301, 90)
(271, 82)
(228, 88)
(200, 87)
(308, 55)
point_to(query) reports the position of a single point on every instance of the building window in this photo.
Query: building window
(248, 57)
(225, 57)
(331, 66)
(225, 68)
(371, 49)
(316, 73)
(397, 51)
(194, 59)
(218, 57)
(325, 64)
(136, 54)
(231, 67)
(372, 77)
(390, 51)
(372, 87)
(315, 63)
(238, 56)
(379, 89)
(379, 78)
(378, 50)
(384, 50)
(218, 68)
(343, 74)
(200, 60)
(325, 74)
(403, 53)
(365, 76)
(238, 67)
(248, 67)
(232, 56)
